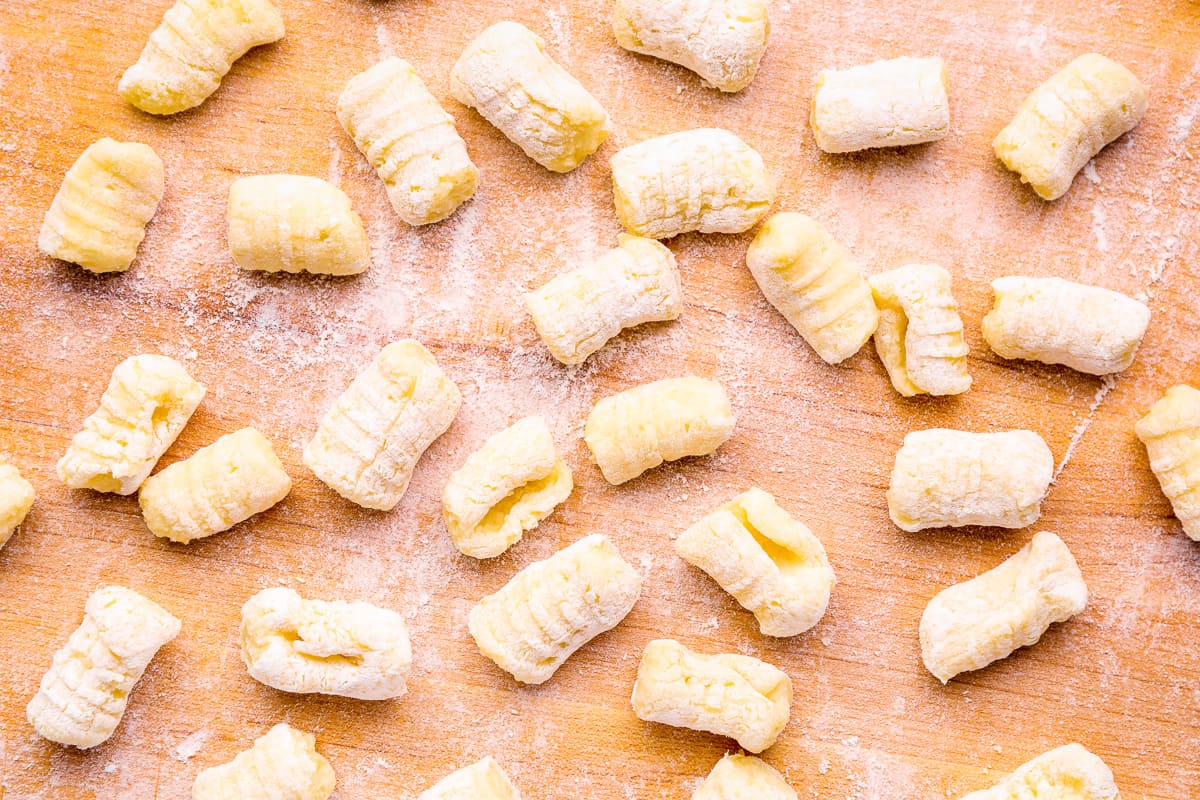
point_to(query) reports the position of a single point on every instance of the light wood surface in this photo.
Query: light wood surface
(868, 721)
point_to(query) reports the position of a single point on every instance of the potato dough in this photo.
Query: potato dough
(744, 778)
(16, 498)
(1171, 433)
(1069, 772)
(483, 780)
(283, 764)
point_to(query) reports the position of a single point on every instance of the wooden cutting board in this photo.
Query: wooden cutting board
(868, 722)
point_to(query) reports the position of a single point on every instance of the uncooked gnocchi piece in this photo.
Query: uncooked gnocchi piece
(948, 478)
(314, 646)
(148, 402)
(220, 485)
(506, 75)
(726, 694)
(640, 428)
(552, 608)
(294, 223)
(16, 498)
(83, 695)
(483, 780)
(283, 764)
(98, 218)
(190, 52)
(410, 140)
(893, 103)
(504, 489)
(1087, 328)
(744, 778)
(705, 180)
(920, 335)
(1069, 772)
(812, 280)
(770, 562)
(1067, 120)
(579, 311)
(971, 624)
(722, 41)
(1171, 433)
(369, 442)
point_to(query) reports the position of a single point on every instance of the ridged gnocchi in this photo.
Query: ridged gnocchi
(1171, 433)
(1069, 772)
(483, 780)
(552, 608)
(83, 695)
(148, 401)
(16, 498)
(367, 445)
(504, 489)
(283, 764)
(220, 485)
(738, 777)
(506, 75)
(410, 140)
(579, 311)
(98, 217)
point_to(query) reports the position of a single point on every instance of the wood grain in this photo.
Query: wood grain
(868, 721)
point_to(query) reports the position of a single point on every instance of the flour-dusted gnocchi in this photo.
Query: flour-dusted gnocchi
(953, 478)
(98, 217)
(1069, 119)
(1087, 328)
(367, 445)
(893, 103)
(770, 562)
(1069, 772)
(579, 311)
(294, 223)
(504, 489)
(552, 608)
(506, 75)
(722, 41)
(744, 778)
(1171, 433)
(190, 52)
(920, 335)
(83, 695)
(283, 764)
(220, 485)
(16, 498)
(314, 646)
(726, 694)
(971, 624)
(148, 402)
(640, 428)
(811, 278)
(705, 180)
(483, 780)
(410, 140)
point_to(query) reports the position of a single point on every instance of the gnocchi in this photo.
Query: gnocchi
(971, 624)
(722, 41)
(483, 780)
(283, 764)
(1171, 433)
(579, 311)
(954, 478)
(1086, 328)
(893, 103)
(148, 402)
(552, 608)
(313, 646)
(1067, 120)
(506, 75)
(367, 445)
(811, 279)
(920, 334)
(16, 498)
(83, 695)
(1069, 772)
(410, 141)
(640, 428)
(98, 217)
(771, 563)
(193, 48)
(294, 223)
(727, 694)
(220, 485)
(504, 489)
(744, 778)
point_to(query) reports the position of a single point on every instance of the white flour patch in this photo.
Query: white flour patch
(560, 31)
(383, 37)
(1100, 228)
(1033, 40)
(335, 162)
(1089, 172)
(1106, 385)
(190, 745)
